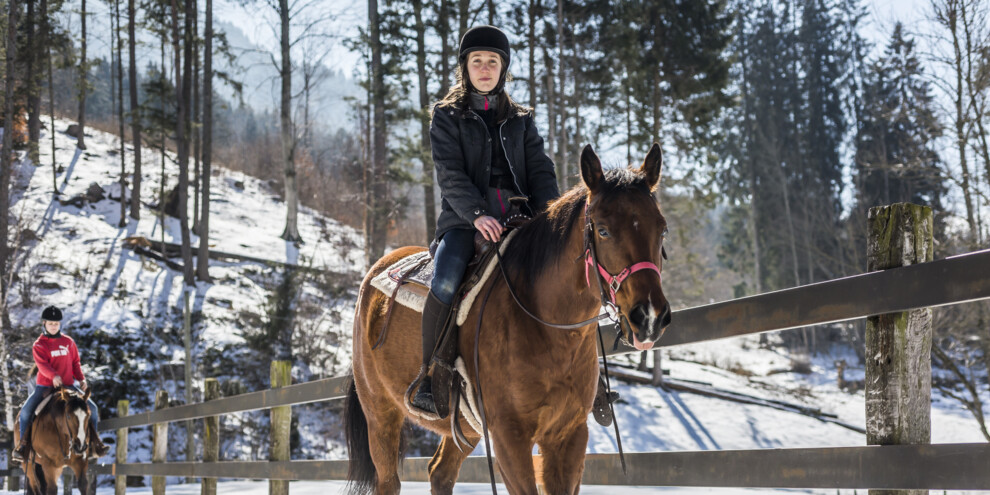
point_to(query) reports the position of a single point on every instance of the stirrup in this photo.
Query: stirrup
(412, 391)
(20, 453)
(423, 399)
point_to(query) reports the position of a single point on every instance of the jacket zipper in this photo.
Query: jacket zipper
(511, 172)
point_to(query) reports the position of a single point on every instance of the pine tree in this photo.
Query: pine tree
(895, 156)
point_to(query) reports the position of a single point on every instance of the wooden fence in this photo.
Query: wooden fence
(903, 467)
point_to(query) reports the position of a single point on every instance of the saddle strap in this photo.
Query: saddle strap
(391, 300)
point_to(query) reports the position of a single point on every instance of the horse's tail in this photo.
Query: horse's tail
(361, 472)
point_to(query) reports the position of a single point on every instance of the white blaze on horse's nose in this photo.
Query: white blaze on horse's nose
(82, 427)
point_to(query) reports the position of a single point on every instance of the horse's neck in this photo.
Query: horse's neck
(561, 293)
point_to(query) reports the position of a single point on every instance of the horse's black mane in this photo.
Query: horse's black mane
(543, 240)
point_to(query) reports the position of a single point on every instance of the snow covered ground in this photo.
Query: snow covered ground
(80, 265)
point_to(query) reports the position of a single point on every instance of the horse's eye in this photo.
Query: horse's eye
(602, 232)
(664, 233)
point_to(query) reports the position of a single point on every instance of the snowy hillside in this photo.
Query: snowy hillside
(125, 311)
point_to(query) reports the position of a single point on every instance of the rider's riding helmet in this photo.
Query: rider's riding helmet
(51, 313)
(486, 38)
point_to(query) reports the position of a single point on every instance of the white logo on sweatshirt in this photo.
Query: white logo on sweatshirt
(62, 351)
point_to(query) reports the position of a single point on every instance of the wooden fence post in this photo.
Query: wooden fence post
(159, 446)
(281, 420)
(187, 373)
(13, 479)
(120, 483)
(67, 481)
(898, 345)
(211, 436)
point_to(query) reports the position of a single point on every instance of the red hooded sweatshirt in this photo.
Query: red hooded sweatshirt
(57, 357)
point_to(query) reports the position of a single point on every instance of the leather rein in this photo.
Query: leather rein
(612, 310)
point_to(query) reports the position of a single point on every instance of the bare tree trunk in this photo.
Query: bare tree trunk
(83, 89)
(196, 130)
(976, 39)
(753, 227)
(307, 81)
(491, 12)
(429, 199)
(161, 191)
(561, 98)
(379, 191)
(629, 136)
(51, 100)
(463, 11)
(443, 30)
(551, 115)
(32, 78)
(6, 170)
(184, 80)
(203, 258)
(947, 14)
(291, 232)
(135, 113)
(532, 53)
(120, 116)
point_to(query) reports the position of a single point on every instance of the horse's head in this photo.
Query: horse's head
(626, 231)
(76, 418)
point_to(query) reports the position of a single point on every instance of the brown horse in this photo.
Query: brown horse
(59, 438)
(537, 382)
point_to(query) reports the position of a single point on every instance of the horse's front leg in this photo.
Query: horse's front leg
(79, 467)
(514, 451)
(31, 473)
(52, 474)
(563, 461)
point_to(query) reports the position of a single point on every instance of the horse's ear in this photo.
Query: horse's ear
(652, 165)
(591, 169)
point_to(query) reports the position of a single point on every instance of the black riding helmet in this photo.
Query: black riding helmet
(490, 39)
(51, 313)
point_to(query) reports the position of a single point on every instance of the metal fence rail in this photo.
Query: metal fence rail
(894, 467)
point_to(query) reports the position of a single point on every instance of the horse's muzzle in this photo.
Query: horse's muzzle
(79, 448)
(649, 326)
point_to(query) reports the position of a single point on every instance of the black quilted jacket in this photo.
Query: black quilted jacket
(462, 157)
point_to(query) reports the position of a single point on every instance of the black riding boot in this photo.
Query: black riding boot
(96, 446)
(21, 452)
(435, 314)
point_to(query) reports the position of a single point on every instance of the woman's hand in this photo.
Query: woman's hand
(489, 227)
(57, 381)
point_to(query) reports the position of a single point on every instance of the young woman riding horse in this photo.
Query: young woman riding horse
(486, 149)
(599, 244)
(59, 438)
(57, 359)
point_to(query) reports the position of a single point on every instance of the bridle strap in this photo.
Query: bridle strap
(614, 282)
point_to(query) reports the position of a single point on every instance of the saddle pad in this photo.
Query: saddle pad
(48, 398)
(413, 295)
(41, 405)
